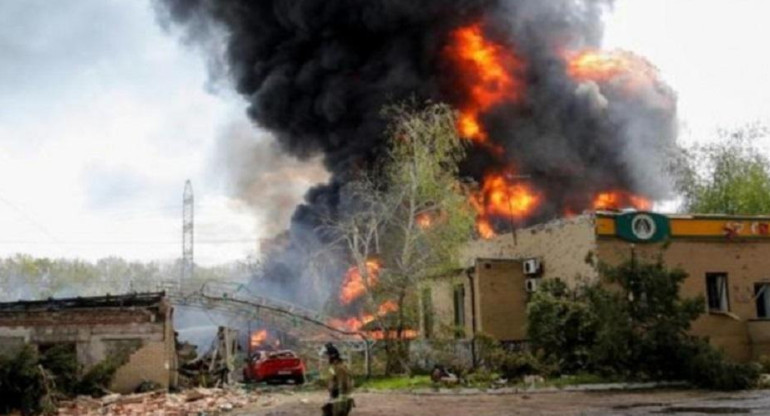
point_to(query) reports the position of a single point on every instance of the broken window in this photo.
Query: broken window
(427, 313)
(716, 292)
(762, 297)
(459, 305)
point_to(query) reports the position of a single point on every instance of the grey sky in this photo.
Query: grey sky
(103, 116)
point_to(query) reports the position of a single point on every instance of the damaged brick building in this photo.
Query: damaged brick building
(135, 329)
(727, 260)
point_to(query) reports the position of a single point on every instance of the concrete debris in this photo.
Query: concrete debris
(196, 401)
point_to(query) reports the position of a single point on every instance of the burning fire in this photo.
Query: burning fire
(424, 220)
(488, 70)
(500, 196)
(353, 287)
(491, 75)
(357, 323)
(392, 334)
(258, 338)
(616, 200)
(631, 71)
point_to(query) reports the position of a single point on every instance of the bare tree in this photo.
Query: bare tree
(410, 216)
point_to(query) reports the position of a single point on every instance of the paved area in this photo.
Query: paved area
(682, 403)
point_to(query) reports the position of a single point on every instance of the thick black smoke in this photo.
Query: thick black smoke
(318, 72)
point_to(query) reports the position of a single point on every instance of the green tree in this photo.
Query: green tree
(410, 214)
(729, 177)
(636, 326)
(658, 319)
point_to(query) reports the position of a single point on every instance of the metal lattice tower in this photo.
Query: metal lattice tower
(187, 233)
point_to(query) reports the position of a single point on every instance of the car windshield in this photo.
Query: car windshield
(282, 354)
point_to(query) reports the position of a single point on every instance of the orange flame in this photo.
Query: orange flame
(424, 220)
(353, 287)
(616, 200)
(257, 338)
(484, 227)
(387, 307)
(487, 70)
(621, 67)
(392, 334)
(500, 197)
(356, 323)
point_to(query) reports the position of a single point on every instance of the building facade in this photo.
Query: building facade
(727, 260)
(135, 329)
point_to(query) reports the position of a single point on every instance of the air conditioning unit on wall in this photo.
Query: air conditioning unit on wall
(531, 267)
(531, 285)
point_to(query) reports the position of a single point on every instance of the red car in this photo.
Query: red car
(272, 366)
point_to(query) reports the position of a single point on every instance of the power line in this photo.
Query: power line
(21, 212)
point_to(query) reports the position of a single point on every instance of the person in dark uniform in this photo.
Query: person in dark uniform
(339, 385)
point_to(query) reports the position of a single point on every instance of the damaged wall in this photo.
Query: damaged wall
(570, 249)
(744, 263)
(136, 329)
(562, 245)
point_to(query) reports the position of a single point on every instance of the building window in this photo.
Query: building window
(427, 314)
(459, 305)
(762, 296)
(716, 292)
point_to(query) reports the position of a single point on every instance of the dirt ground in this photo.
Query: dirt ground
(557, 403)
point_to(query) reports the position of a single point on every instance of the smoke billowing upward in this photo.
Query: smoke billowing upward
(266, 179)
(536, 95)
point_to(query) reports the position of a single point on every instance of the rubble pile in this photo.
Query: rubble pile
(196, 401)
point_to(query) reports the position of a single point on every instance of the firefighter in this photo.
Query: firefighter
(340, 384)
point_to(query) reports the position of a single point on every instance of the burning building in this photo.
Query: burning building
(554, 123)
(726, 259)
(135, 329)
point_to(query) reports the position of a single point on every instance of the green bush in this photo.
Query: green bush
(96, 381)
(708, 368)
(516, 365)
(31, 383)
(61, 362)
(571, 328)
(22, 386)
(510, 365)
(636, 329)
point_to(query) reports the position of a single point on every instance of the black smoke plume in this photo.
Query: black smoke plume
(316, 73)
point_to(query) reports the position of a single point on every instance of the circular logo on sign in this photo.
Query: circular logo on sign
(643, 227)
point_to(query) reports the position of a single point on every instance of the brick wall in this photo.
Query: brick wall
(501, 299)
(442, 302)
(149, 363)
(562, 245)
(144, 335)
(745, 262)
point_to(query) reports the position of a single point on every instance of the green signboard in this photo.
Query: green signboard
(642, 227)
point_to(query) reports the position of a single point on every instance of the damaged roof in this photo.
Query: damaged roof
(143, 300)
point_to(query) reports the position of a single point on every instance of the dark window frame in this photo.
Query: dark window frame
(427, 313)
(713, 300)
(458, 301)
(762, 308)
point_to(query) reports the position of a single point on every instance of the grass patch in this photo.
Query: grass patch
(395, 383)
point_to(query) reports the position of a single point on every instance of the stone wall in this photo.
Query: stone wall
(142, 337)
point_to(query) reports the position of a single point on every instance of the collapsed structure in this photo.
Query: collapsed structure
(136, 330)
(726, 258)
